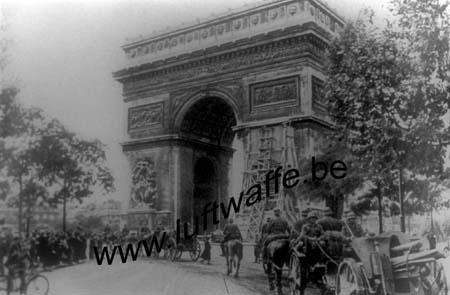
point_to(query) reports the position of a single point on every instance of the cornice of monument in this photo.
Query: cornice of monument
(217, 18)
(232, 27)
(249, 53)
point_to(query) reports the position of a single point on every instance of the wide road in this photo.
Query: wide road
(161, 277)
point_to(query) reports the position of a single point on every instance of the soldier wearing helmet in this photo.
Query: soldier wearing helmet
(230, 232)
(299, 224)
(328, 222)
(279, 225)
(311, 229)
(351, 228)
(277, 228)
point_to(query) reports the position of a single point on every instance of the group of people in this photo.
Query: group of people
(310, 225)
(44, 248)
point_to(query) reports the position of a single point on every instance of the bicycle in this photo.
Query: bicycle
(35, 283)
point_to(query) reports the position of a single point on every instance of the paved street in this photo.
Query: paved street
(161, 277)
(157, 277)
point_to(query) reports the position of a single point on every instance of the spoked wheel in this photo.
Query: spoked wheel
(440, 286)
(37, 285)
(294, 275)
(349, 280)
(195, 251)
(172, 254)
(179, 252)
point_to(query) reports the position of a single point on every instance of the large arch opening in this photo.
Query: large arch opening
(207, 126)
(210, 120)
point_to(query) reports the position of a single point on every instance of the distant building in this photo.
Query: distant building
(110, 212)
(43, 217)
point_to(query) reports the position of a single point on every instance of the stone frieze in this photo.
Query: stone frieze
(231, 61)
(233, 27)
(275, 92)
(145, 116)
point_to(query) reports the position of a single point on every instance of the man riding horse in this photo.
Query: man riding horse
(277, 228)
(230, 232)
(308, 243)
(232, 247)
(276, 249)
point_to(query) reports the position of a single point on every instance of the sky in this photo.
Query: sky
(64, 53)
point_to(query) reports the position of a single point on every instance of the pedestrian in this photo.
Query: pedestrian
(432, 240)
(206, 254)
(257, 249)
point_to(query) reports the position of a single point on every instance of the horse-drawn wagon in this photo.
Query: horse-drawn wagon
(190, 245)
(387, 264)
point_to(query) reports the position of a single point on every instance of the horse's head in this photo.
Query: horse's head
(279, 248)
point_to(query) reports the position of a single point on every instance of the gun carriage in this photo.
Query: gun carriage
(190, 245)
(387, 264)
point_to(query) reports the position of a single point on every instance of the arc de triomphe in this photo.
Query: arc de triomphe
(189, 91)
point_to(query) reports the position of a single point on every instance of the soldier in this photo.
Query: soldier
(351, 228)
(264, 231)
(328, 222)
(264, 228)
(230, 232)
(18, 261)
(311, 229)
(310, 234)
(257, 248)
(299, 224)
(278, 227)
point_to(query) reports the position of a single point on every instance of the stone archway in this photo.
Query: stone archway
(207, 128)
(205, 190)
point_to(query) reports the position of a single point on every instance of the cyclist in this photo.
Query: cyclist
(18, 261)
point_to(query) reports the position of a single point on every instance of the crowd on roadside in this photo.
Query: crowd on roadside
(52, 249)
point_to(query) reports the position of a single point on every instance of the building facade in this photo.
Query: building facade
(248, 75)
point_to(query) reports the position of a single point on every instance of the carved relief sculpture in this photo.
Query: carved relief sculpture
(280, 91)
(144, 193)
(145, 116)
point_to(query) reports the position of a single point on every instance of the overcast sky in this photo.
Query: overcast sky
(64, 53)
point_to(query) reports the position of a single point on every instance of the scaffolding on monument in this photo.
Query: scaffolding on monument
(256, 170)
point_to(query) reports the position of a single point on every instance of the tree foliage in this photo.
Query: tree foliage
(388, 92)
(45, 163)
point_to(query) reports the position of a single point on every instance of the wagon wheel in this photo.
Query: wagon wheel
(37, 285)
(172, 253)
(349, 280)
(439, 286)
(195, 250)
(179, 251)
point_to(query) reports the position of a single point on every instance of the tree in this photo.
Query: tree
(334, 191)
(20, 131)
(73, 166)
(388, 96)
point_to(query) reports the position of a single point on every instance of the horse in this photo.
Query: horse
(277, 256)
(233, 254)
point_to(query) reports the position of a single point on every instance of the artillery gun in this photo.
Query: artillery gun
(388, 264)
